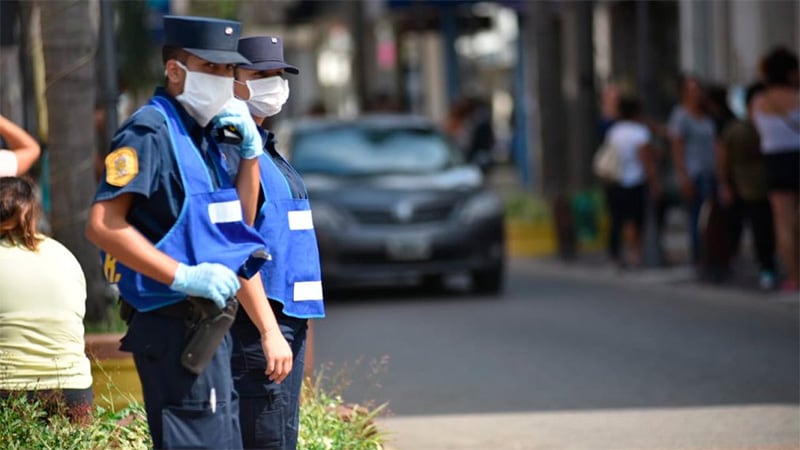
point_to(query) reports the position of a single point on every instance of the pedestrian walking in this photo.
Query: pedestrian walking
(627, 197)
(170, 225)
(692, 138)
(743, 186)
(269, 411)
(776, 114)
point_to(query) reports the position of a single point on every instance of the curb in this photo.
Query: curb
(678, 280)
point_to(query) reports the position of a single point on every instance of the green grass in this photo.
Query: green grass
(26, 425)
(326, 422)
(526, 207)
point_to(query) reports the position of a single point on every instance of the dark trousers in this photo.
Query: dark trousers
(183, 410)
(269, 413)
(625, 204)
(705, 187)
(758, 214)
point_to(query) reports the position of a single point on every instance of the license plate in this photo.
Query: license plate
(408, 249)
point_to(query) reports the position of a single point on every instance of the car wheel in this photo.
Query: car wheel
(488, 281)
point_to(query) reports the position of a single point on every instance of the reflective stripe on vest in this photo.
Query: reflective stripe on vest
(292, 277)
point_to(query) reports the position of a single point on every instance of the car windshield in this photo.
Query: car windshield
(353, 150)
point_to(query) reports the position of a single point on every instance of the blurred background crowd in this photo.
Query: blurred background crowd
(525, 88)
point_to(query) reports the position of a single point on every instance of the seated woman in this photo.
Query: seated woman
(42, 304)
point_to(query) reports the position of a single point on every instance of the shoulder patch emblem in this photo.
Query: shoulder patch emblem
(122, 166)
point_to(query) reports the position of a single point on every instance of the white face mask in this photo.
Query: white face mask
(204, 94)
(267, 95)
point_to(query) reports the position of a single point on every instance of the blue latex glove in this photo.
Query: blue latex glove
(236, 114)
(207, 280)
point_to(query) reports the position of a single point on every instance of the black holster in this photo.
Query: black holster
(207, 328)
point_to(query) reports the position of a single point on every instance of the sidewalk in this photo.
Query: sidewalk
(675, 271)
(751, 427)
(741, 283)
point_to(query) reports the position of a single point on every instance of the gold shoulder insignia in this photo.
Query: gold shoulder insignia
(121, 166)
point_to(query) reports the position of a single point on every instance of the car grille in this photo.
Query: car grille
(421, 214)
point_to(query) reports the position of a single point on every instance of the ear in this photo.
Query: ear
(173, 72)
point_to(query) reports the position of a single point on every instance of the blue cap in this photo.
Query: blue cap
(211, 39)
(265, 53)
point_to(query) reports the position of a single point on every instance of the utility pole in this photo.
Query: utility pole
(580, 95)
(652, 252)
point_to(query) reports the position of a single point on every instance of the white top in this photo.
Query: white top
(628, 138)
(42, 304)
(8, 163)
(778, 133)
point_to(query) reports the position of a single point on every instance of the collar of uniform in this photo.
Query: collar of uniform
(268, 137)
(192, 127)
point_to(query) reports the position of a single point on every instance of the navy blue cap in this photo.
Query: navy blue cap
(265, 53)
(211, 39)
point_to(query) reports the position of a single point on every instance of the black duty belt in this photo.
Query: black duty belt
(182, 310)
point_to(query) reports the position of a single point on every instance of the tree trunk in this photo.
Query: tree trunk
(547, 79)
(69, 39)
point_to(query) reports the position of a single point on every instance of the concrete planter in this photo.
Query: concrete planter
(524, 238)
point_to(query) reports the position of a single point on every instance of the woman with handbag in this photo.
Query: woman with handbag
(630, 139)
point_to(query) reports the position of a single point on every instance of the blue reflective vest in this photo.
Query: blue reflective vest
(209, 227)
(292, 277)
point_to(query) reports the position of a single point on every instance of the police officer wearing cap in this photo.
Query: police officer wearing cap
(169, 223)
(269, 411)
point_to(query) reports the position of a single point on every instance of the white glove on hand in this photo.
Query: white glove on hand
(236, 114)
(207, 280)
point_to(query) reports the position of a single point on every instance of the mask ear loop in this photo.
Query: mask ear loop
(180, 64)
(245, 84)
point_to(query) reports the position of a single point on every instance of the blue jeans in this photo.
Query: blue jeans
(269, 413)
(705, 187)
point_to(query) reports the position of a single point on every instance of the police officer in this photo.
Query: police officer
(170, 223)
(269, 411)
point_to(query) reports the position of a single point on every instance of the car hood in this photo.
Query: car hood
(385, 192)
(461, 178)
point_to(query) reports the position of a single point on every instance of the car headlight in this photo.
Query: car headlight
(325, 216)
(480, 206)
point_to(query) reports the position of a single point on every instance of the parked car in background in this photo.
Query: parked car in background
(392, 199)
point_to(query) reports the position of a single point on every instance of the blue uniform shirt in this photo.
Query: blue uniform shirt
(158, 184)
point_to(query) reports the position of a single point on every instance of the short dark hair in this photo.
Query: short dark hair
(169, 52)
(777, 67)
(629, 107)
(751, 92)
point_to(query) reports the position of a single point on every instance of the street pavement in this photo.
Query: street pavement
(573, 356)
(734, 427)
